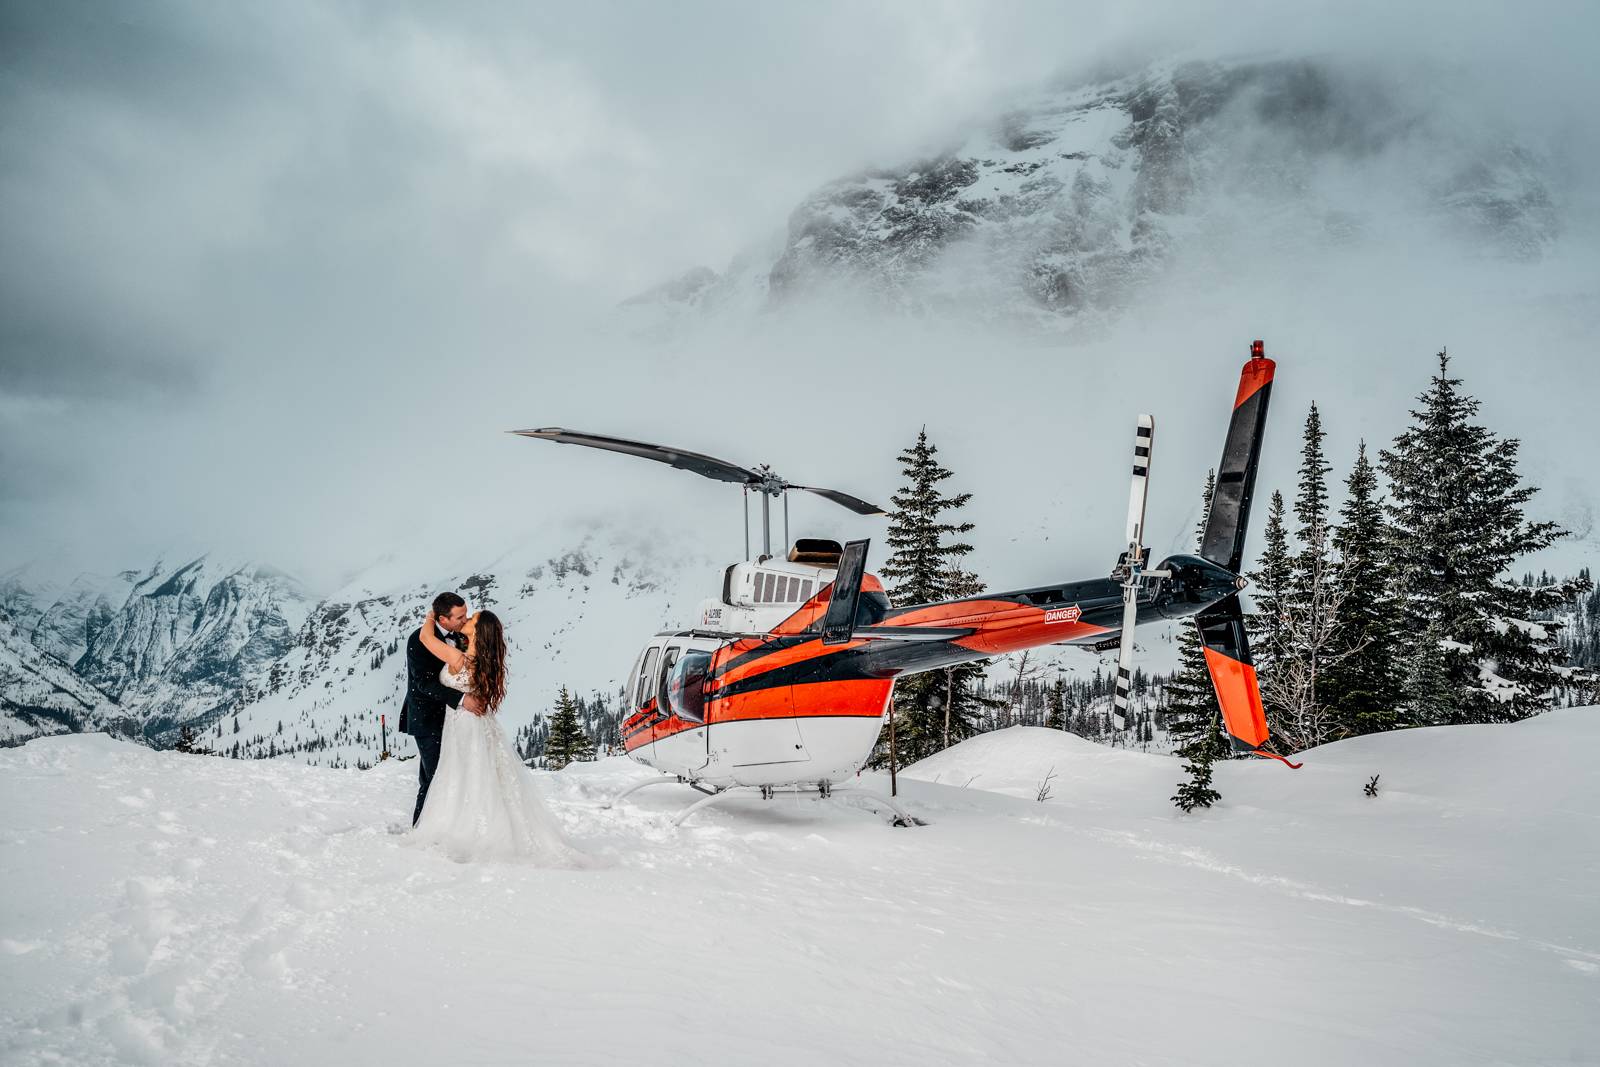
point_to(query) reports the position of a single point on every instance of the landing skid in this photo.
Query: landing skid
(897, 813)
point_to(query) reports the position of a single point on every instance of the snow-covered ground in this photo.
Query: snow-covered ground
(181, 909)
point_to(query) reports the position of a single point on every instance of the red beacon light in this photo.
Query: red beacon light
(1258, 350)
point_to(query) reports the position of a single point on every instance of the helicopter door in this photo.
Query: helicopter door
(637, 733)
(683, 738)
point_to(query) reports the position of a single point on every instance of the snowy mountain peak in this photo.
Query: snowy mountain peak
(1066, 204)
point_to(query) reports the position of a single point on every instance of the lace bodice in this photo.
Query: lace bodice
(462, 681)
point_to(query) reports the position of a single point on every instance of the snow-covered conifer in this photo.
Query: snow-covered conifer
(1307, 642)
(567, 741)
(926, 564)
(1269, 589)
(1456, 524)
(1191, 713)
(1364, 687)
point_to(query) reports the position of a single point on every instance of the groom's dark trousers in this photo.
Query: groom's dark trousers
(422, 715)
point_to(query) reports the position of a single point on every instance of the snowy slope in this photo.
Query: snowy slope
(179, 909)
(40, 695)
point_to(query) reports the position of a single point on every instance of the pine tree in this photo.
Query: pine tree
(925, 566)
(1456, 525)
(1268, 624)
(1308, 615)
(567, 741)
(1191, 712)
(1364, 687)
(1056, 705)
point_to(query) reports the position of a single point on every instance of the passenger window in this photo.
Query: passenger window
(647, 673)
(668, 658)
(783, 587)
(805, 591)
(768, 582)
(686, 686)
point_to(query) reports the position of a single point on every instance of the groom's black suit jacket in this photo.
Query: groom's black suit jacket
(426, 696)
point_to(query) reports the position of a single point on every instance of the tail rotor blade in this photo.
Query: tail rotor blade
(1143, 440)
(1130, 615)
(1131, 565)
(1223, 542)
(1233, 676)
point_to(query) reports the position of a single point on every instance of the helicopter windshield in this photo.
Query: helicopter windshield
(686, 694)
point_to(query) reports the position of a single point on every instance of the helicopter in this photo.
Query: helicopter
(787, 678)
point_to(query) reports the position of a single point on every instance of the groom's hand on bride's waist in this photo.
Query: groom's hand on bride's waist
(472, 704)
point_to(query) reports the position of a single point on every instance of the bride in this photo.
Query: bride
(483, 803)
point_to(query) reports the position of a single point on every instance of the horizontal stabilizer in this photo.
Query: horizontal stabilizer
(907, 633)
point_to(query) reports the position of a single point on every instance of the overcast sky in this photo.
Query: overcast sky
(276, 276)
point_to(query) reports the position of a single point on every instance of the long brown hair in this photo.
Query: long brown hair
(489, 660)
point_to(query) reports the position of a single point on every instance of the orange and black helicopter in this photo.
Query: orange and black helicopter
(786, 681)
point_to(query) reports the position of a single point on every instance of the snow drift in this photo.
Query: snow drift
(182, 909)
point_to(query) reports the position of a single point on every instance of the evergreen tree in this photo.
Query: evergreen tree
(926, 565)
(1191, 712)
(1364, 687)
(567, 741)
(1196, 791)
(1056, 703)
(1308, 615)
(1455, 526)
(1268, 624)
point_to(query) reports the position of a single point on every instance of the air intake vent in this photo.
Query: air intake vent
(816, 552)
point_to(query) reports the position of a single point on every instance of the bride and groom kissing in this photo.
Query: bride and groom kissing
(475, 799)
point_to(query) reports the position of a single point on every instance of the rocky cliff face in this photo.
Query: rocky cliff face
(75, 616)
(186, 638)
(1064, 207)
(40, 695)
(166, 644)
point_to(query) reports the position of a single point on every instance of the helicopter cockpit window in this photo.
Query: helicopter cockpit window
(685, 686)
(647, 672)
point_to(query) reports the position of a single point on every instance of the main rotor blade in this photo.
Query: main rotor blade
(1223, 542)
(706, 466)
(854, 503)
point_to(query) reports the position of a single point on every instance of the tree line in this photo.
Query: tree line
(1399, 610)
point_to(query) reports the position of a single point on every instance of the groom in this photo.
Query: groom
(422, 715)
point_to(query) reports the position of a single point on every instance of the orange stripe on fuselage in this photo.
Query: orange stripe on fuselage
(857, 698)
(1240, 697)
(1256, 373)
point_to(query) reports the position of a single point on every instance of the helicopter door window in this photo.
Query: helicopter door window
(685, 686)
(783, 587)
(805, 589)
(768, 580)
(647, 672)
(668, 658)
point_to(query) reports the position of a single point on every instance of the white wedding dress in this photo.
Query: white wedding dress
(483, 804)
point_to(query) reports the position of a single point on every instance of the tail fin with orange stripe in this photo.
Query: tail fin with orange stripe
(1227, 649)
